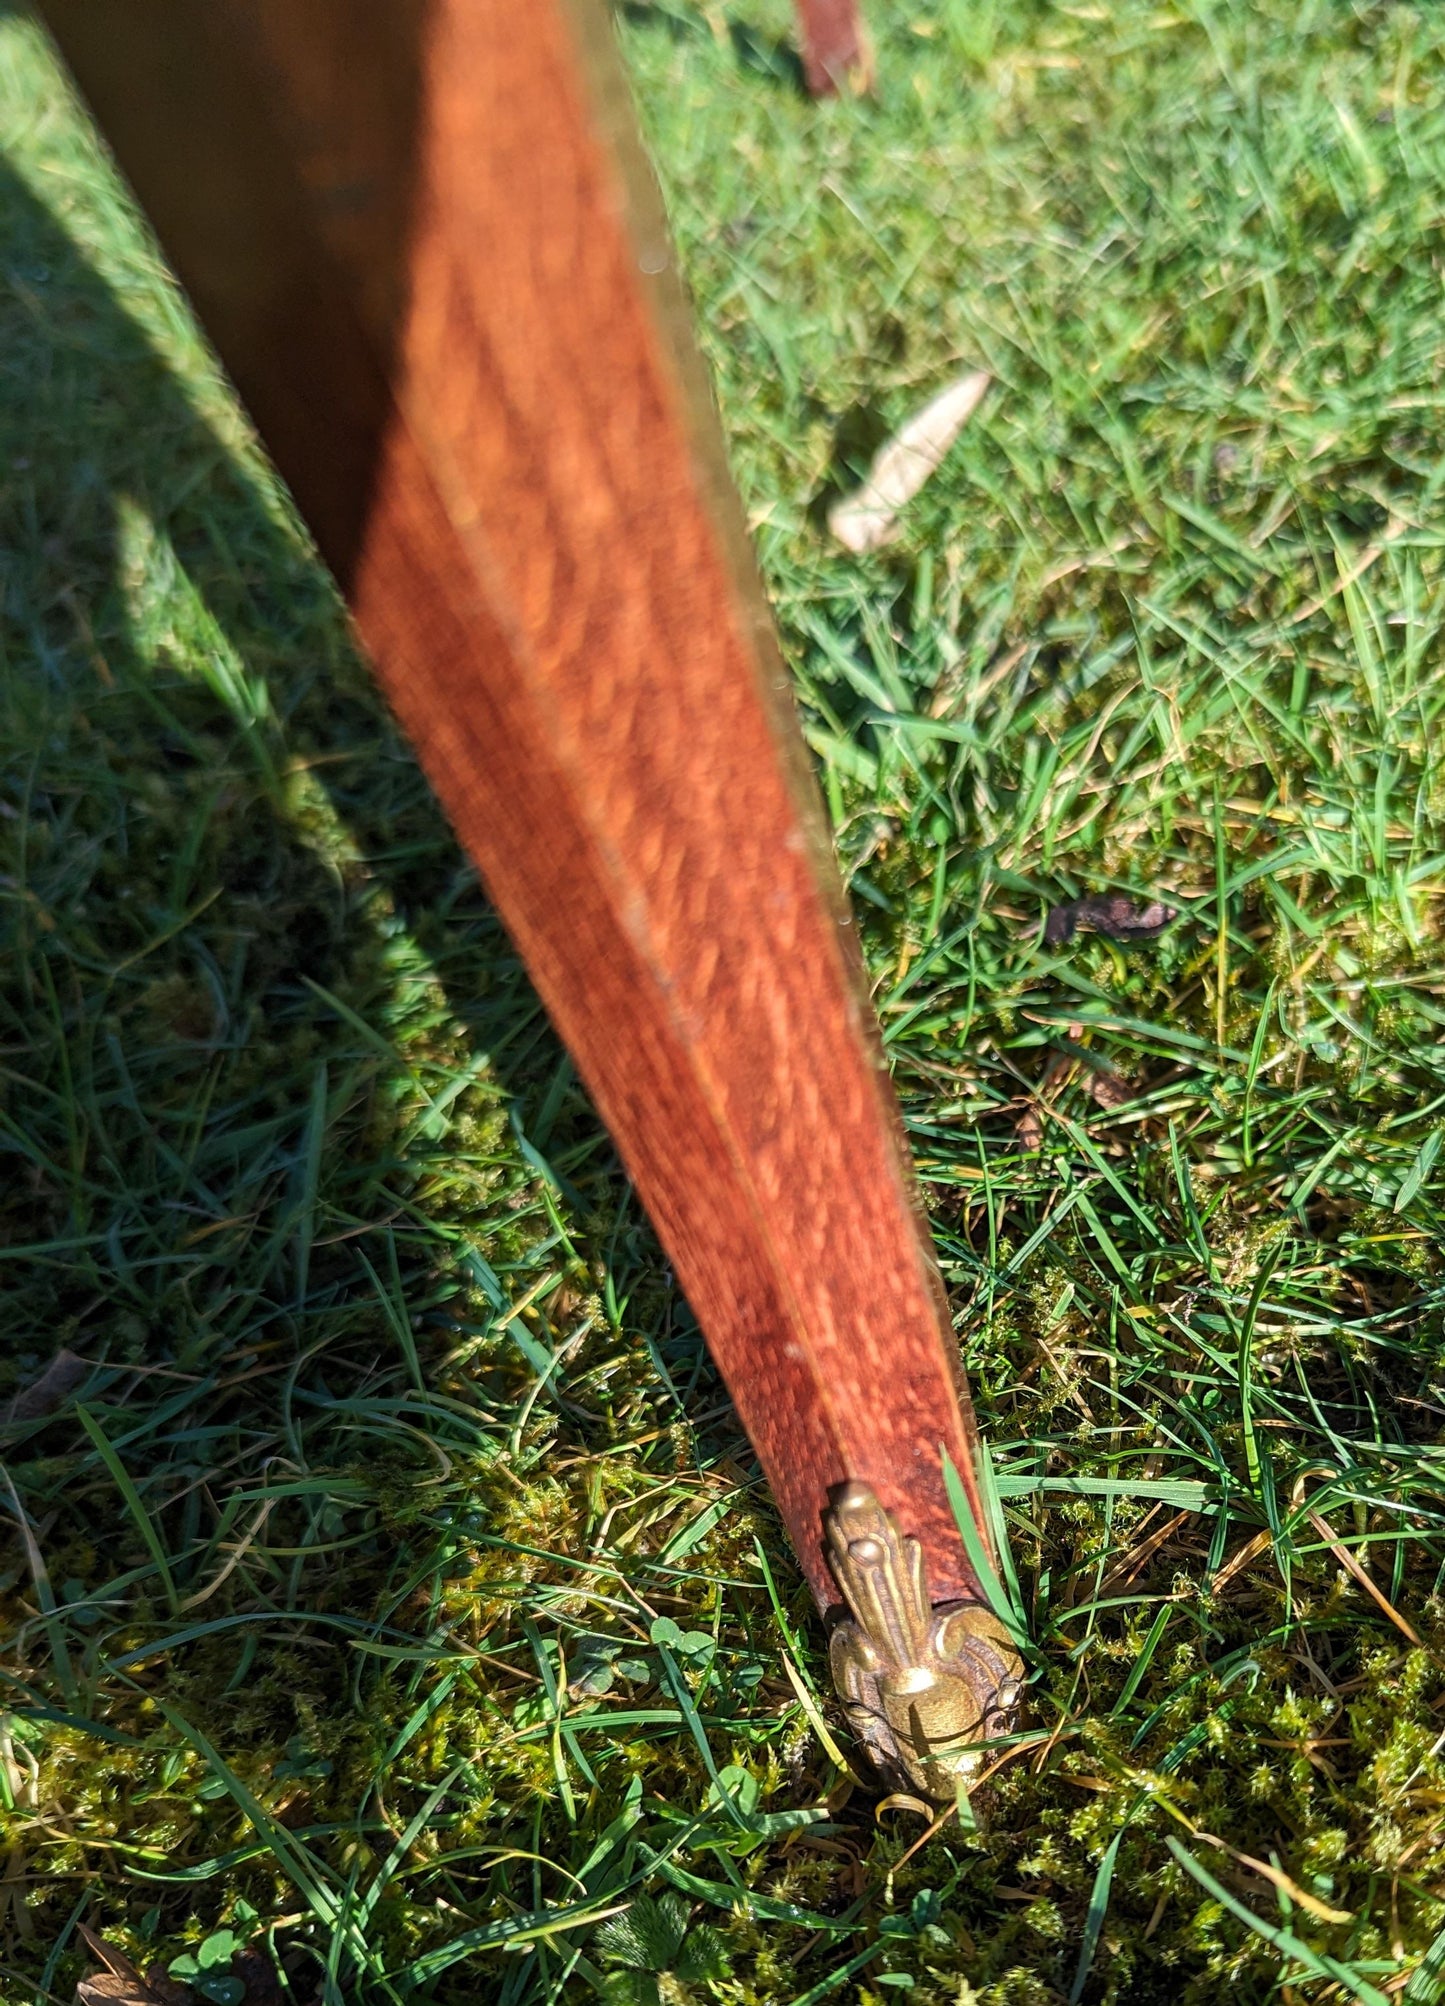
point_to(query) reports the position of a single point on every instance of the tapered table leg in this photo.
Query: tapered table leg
(425, 243)
(834, 45)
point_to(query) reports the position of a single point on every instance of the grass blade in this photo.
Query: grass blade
(1315, 1962)
(999, 1600)
(120, 1477)
(1094, 1921)
(45, 1596)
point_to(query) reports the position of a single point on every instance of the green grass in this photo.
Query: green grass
(396, 1588)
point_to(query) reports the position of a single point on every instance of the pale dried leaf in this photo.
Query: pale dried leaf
(1351, 1565)
(868, 519)
(1240, 1558)
(902, 1801)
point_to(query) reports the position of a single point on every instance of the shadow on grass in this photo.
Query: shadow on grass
(280, 1109)
(232, 759)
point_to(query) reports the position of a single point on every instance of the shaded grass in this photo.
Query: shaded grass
(400, 1588)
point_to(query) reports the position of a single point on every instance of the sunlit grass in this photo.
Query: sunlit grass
(398, 1591)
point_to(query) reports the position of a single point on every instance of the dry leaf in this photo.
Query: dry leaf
(56, 1383)
(1348, 1561)
(1103, 1085)
(868, 519)
(1240, 1558)
(108, 1956)
(1112, 914)
(1030, 1127)
(1095, 1075)
(108, 1988)
(118, 1983)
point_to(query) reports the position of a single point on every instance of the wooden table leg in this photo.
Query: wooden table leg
(428, 249)
(834, 46)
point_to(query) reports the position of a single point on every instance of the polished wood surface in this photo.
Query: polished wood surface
(428, 249)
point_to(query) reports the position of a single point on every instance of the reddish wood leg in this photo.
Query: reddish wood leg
(428, 249)
(834, 45)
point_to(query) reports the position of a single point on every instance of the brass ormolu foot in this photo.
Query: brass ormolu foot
(920, 1684)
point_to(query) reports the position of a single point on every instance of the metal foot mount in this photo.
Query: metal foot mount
(924, 1687)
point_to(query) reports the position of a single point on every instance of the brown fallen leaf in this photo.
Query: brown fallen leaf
(109, 1988)
(1098, 1079)
(118, 1983)
(1142, 1553)
(56, 1383)
(868, 519)
(107, 1955)
(1240, 1558)
(1110, 913)
(1106, 1088)
(1029, 1127)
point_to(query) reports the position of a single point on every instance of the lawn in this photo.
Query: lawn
(387, 1581)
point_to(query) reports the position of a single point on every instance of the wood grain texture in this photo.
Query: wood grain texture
(448, 300)
(834, 46)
